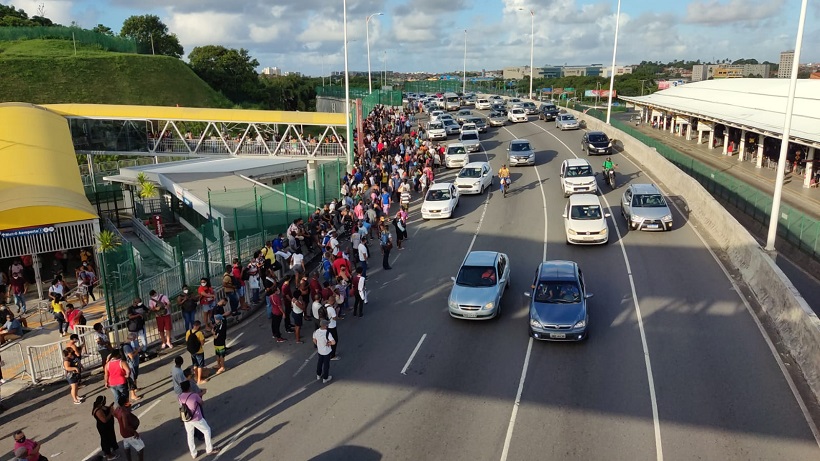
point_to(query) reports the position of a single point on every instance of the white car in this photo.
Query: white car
(474, 178)
(436, 131)
(482, 104)
(566, 122)
(577, 177)
(512, 101)
(517, 115)
(470, 140)
(467, 126)
(585, 221)
(440, 201)
(434, 115)
(456, 156)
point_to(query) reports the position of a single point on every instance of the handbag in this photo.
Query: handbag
(389, 245)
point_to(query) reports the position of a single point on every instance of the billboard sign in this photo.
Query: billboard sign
(600, 93)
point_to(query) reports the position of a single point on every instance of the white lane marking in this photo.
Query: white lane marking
(799, 398)
(505, 451)
(302, 367)
(650, 379)
(231, 442)
(407, 365)
(140, 416)
(233, 340)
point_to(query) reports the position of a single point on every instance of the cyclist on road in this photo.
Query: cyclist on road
(504, 176)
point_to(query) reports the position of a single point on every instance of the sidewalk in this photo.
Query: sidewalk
(799, 197)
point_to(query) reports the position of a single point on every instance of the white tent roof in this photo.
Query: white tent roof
(757, 104)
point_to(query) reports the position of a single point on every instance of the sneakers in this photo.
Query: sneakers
(318, 377)
(335, 358)
(325, 381)
(2, 381)
(280, 340)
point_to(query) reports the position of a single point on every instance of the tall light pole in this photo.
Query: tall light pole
(464, 71)
(612, 69)
(367, 37)
(384, 81)
(348, 131)
(532, 44)
(784, 145)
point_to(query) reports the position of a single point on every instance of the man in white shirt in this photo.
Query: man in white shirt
(358, 284)
(333, 243)
(324, 342)
(297, 264)
(363, 256)
(332, 316)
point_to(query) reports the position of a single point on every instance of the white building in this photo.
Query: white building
(786, 62)
(619, 70)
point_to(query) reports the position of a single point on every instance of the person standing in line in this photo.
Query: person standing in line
(128, 429)
(296, 317)
(195, 344)
(116, 375)
(277, 312)
(187, 303)
(160, 305)
(103, 343)
(230, 285)
(58, 312)
(207, 299)
(220, 336)
(364, 255)
(332, 317)
(177, 374)
(72, 367)
(358, 288)
(193, 401)
(104, 417)
(19, 288)
(324, 342)
(131, 351)
(386, 243)
(137, 313)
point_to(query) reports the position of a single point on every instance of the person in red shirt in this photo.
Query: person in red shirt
(315, 284)
(340, 262)
(128, 430)
(236, 271)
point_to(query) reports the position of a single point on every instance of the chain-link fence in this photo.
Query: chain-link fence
(87, 37)
(798, 228)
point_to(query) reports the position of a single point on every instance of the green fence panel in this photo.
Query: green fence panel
(87, 37)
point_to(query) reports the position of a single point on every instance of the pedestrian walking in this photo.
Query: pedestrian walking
(187, 303)
(276, 315)
(116, 374)
(178, 374)
(58, 312)
(195, 344)
(104, 417)
(129, 423)
(364, 255)
(160, 305)
(72, 367)
(191, 412)
(358, 288)
(386, 244)
(220, 336)
(324, 346)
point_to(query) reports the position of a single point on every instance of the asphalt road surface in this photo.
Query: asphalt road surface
(675, 367)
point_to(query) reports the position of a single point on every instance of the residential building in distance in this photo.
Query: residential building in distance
(707, 71)
(786, 62)
(272, 72)
(619, 70)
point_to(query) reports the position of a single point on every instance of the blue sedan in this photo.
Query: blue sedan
(558, 303)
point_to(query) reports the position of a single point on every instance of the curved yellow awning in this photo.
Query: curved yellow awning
(40, 183)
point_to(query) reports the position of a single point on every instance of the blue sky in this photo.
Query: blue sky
(428, 35)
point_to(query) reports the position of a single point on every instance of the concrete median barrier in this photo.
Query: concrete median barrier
(796, 324)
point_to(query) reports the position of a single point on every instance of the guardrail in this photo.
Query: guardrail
(165, 251)
(248, 147)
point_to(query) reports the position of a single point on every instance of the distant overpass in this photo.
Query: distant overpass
(99, 129)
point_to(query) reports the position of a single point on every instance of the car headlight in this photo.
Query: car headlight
(571, 232)
(591, 146)
(445, 209)
(667, 218)
(580, 324)
(604, 230)
(636, 218)
(475, 184)
(489, 305)
(535, 323)
(452, 304)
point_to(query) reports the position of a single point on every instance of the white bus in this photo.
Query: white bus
(451, 101)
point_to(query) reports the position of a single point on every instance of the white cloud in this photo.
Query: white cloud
(715, 12)
(58, 11)
(207, 28)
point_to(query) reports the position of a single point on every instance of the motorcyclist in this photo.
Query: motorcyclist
(608, 169)
(504, 175)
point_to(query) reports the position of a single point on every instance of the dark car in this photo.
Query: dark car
(547, 112)
(558, 302)
(596, 142)
(499, 108)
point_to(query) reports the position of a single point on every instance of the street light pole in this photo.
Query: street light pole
(464, 71)
(784, 145)
(348, 131)
(367, 37)
(612, 69)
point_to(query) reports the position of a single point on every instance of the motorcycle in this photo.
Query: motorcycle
(609, 177)
(505, 185)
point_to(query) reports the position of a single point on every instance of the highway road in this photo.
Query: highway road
(675, 367)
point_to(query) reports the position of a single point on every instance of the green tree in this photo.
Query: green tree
(101, 29)
(151, 35)
(231, 71)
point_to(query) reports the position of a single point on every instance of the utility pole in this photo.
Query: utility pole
(642, 83)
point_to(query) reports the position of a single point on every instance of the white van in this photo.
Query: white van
(451, 101)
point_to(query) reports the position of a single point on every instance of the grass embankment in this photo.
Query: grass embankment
(49, 72)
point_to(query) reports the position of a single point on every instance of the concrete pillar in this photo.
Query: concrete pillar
(689, 130)
(759, 160)
(664, 116)
(741, 149)
(700, 137)
(313, 179)
(809, 167)
(726, 141)
(712, 138)
(672, 124)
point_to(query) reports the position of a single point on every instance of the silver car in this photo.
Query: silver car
(566, 122)
(462, 115)
(451, 126)
(530, 108)
(479, 286)
(470, 140)
(644, 208)
(520, 152)
(558, 302)
(497, 118)
(479, 122)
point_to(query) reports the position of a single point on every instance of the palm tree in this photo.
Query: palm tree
(148, 190)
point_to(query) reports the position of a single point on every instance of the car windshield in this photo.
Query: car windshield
(520, 147)
(435, 126)
(648, 201)
(567, 118)
(456, 151)
(579, 171)
(584, 212)
(598, 138)
(449, 121)
(437, 195)
(470, 173)
(469, 137)
(464, 112)
(517, 111)
(496, 114)
(548, 108)
(557, 292)
(476, 276)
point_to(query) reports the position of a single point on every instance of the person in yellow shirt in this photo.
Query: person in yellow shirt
(58, 311)
(195, 344)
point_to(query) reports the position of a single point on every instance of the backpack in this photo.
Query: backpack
(323, 313)
(185, 413)
(192, 344)
(246, 274)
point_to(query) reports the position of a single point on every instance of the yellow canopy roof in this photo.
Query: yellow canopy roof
(40, 183)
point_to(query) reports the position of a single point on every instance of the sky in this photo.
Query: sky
(428, 35)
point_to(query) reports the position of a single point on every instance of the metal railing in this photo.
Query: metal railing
(165, 251)
(248, 147)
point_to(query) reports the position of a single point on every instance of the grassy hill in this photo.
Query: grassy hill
(47, 71)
